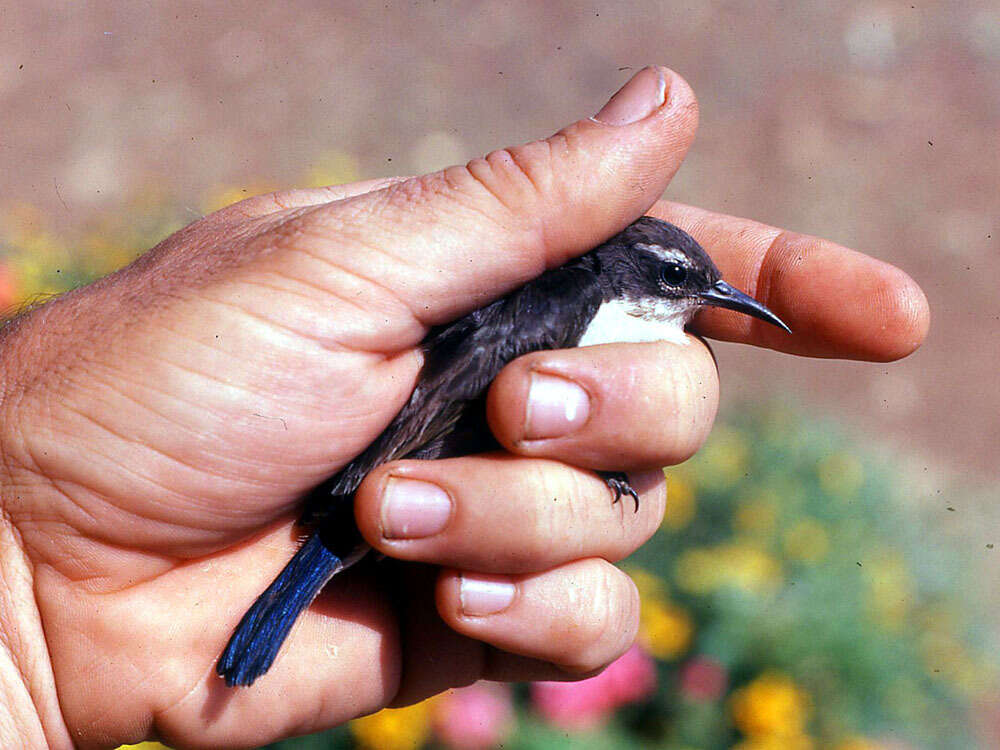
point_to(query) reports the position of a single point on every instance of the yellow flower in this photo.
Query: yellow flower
(858, 743)
(841, 475)
(665, 630)
(776, 742)
(771, 706)
(753, 569)
(806, 541)
(395, 728)
(680, 501)
(739, 564)
(144, 746)
(723, 460)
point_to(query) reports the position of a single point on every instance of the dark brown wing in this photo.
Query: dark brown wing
(461, 360)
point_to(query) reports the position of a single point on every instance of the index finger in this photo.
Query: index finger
(838, 302)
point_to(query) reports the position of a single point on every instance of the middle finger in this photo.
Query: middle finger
(497, 513)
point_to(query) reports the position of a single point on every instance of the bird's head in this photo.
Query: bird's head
(661, 272)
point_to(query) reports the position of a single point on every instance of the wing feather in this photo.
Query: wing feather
(462, 358)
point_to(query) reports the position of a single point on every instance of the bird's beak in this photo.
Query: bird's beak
(722, 294)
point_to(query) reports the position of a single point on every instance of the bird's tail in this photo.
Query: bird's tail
(264, 627)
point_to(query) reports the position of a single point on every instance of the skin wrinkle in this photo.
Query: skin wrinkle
(60, 486)
(159, 715)
(337, 294)
(57, 361)
(250, 314)
(388, 292)
(167, 416)
(458, 194)
(12, 430)
(178, 562)
(574, 512)
(175, 498)
(561, 148)
(73, 566)
(510, 179)
(207, 506)
(531, 224)
(371, 358)
(329, 292)
(144, 478)
(247, 392)
(300, 295)
(574, 508)
(25, 382)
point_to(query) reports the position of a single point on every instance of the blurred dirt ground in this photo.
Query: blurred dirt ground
(874, 124)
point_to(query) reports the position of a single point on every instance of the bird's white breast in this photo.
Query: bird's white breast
(626, 321)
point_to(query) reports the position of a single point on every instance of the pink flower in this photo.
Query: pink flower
(475, 717)
(585, 704)
(703, 679)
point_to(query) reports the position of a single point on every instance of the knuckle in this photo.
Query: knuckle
(516, 178)
(607, 617)
(497, 176)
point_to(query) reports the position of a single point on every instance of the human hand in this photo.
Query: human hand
(160, 425)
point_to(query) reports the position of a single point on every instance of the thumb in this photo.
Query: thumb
(446, 243)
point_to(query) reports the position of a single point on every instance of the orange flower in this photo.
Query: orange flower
(395, 728)
(771, 706)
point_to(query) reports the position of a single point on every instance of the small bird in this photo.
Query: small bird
(644, 284)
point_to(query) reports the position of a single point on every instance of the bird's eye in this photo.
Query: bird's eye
(673, 274)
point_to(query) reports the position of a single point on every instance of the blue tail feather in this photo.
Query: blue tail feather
(264, 627)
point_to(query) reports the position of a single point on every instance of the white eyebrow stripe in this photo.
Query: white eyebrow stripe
(666, 254)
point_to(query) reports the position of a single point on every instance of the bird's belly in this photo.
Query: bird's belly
(619, 322)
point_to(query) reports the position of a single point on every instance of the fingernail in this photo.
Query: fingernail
(484, 596)
(412, 509)
(645, 92)
(556, 407)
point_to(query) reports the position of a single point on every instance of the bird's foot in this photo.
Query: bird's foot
(617, 482)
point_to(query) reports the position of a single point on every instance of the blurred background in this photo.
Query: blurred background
(826, 574)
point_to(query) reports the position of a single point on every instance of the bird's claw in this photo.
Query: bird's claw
(617, 482)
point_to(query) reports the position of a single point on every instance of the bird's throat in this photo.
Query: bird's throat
(626, 321)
